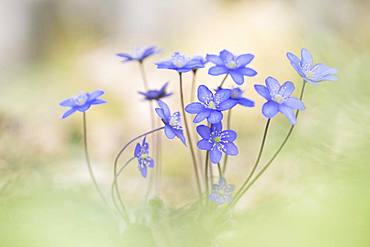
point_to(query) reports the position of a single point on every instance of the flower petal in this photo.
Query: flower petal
(263, 91)
(194, 108)
(67, 102)
(222, 95)
(294, 103)
(246, 102)
(217, 70)
(247, 71)
(98, 102)
(270, 109)
(289, 113)
(180, 135)
(204, 94)
(169, 132)
(201, 116)
(228, 135)
(204, 131)
(286, 89)
(227, 104)
(272, 84)
(244, 59)
(164, 107)
(295, 62)
(137, 150)
(238, 77)
(215, 117)
(160, 113)
(231, 149)
(215, 155)
(143, 170)
(68, 113)
(204, 144)
(306, 57)
(95, 94)
(216, 127)
(214, 59)
(226, 55)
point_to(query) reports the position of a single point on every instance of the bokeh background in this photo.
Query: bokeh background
(315, 194)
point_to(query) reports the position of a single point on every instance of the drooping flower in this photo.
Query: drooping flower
(309, 71)
(215, 140)
(237, 95)
(156, 94)
(221, 192)
(180, 63)
(210, 105)
(141, 153)
(227, 63)
(139, 54)
(173, 127)
(279, 99)
(82, 102)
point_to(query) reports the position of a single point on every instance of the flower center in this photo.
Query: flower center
(80, 100)
(211, 105)
(175, 121)
(217, 139)
(278, 98)
(309, 74)
(231, 64)
(144, 156)
(179, 60)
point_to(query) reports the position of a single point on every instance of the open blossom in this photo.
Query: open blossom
(221, 192)
(173, 127)
(139, 54)
(141, 153)
(210, 105)
(279, 99)
(309, 71)
(227, 63)
(237, 95)
(156, 94)
(215, 140)
(82, 102)
(180, 63)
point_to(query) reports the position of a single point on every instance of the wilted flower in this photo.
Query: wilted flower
(215, 140)
(227, 63)
(279, 99)
(82, 102)
(310, 72)
(156, 94)
(142, 155)
(180, 63)
(221, 192)
(139, 54)
(172, 122)
(237, 95)
(210, 106)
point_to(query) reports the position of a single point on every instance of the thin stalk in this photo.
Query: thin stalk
(192, 151)
(228, 126)
(223, 81)
(220, 173)
(206, 173)
(193, 85)
(121, 152)
(88, 162)
(267, 165)
(143, 75)
(257, 160)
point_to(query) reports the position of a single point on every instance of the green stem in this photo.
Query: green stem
(189, 138)
(193, 84)
(228, 126)
(88, 162)
(267, 165)
(206, 174)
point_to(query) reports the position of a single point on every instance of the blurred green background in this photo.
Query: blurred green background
(315, 194)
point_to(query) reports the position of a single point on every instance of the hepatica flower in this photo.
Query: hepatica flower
(180, 63)
(201, 62)
(141, 153)
(237, 95)
(221, 192)
(215, 140)
(310, 72)
(172, 123)
(82, 102)
(227, 63)
(139, 54)
(210, 105)
(279, 99)
(156, 94)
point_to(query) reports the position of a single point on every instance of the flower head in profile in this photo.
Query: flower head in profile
(221, 192)
(227, 63)
(279, 99)
(215, 140)
(156, 94)
(139, 54)
(309, 71)
(210, 105)
(172, 123)
(82, 102)
(141, 153)
(237, 95)
(180, 63)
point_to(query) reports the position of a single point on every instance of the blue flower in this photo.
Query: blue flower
(156, 94)
(139, 54)
(310, 72)
(172, 123)
(237, 95)
(141, 153)
(201, 62)
(221, 192)
(82, 102)
(210, 106)
(180, 63)
(216, 141)
(279, 99)
(227, 63)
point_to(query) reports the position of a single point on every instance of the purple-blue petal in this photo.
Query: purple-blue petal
(270, 109)
(227, 104)
(289, 113)
(69, 112)
(214, 59)
(244, 59)
(215, 117)
(95, 94)
(263, 91)
(165, 108)
(201, 116)
(286, 89)
(169, 132)
(294, 103)
(237, 77)
(246, 102)
(222, 95)
(137, 150)
(215, 155)
(229, 135)
(194, 108)
(204, 131)
(218, 70)
(272, 84)
(204, 94)
(180, 135)
(231, 149)
(205, 144)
